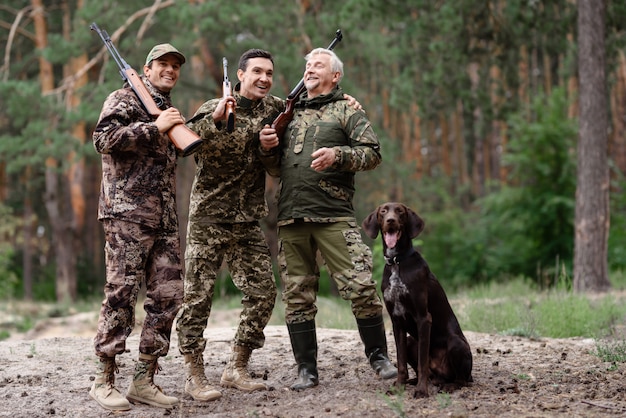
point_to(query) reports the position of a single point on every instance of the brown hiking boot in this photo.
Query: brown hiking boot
(142, 388)
(103, 389)
(236, 375)
(196, 383)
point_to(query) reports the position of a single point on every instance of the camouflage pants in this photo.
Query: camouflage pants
(136, 254)
(243, 248)
(348, 259)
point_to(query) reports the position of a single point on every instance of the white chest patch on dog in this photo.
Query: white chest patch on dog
(395, 291)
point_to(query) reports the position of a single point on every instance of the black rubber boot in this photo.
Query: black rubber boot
(372, 331)
(304, 345)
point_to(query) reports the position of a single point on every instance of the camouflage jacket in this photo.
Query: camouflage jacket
(138, 163)
(229, 184)
(324, 121)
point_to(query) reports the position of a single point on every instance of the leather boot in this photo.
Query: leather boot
(372, 331)
(236, 374)
(142, 388)
(196, 383)
(103, 389)
(304, 345)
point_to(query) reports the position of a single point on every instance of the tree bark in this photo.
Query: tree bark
(63, 235)
(592, 189)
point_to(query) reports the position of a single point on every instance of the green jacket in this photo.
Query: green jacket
(324, 121)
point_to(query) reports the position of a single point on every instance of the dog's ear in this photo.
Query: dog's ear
(416, 224)
(370, 224)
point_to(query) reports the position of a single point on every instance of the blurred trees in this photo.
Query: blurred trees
(475, 103)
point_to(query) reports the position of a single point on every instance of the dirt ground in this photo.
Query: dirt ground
(48, 372)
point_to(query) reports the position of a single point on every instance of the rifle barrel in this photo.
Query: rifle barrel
(123, 65)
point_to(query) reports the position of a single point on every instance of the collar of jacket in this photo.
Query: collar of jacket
(244, 102)
(319, 101)
(162, 99)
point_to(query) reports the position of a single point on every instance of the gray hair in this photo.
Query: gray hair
(336, 66)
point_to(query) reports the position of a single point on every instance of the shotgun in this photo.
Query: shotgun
(183, 138)
(283, 119)
(230, 108)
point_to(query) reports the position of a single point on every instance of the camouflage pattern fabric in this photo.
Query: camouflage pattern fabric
(229, 183)
(243, 247)
(138, 162)
(347, 258)
(324, 121)
(137, 254)
(227, 201)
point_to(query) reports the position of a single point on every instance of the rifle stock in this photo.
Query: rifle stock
(181, 136)
(283, 119)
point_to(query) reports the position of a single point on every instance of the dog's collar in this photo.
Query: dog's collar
(399, 258)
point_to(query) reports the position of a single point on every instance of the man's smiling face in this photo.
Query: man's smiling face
(318, 75)
(163, 73)
(256, 81)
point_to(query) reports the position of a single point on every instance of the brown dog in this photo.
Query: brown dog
(426, 331)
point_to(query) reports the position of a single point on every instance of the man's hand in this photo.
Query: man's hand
(268, 138)
(168, 118)
(322, 159)
(219, 114)
(352, 102)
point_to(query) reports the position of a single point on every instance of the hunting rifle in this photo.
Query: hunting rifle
(183, 138)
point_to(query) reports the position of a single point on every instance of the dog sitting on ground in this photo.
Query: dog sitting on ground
(427, 333)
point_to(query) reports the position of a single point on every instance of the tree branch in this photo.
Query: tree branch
(68, 82)
(147, 22)
(7, 51)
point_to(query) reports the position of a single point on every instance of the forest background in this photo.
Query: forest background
(502, 123)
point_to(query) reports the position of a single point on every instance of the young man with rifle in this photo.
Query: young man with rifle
(323, 147)
(138, 212)
(227, 202)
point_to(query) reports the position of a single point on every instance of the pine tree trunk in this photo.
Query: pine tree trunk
(63, 235)
(592, 190)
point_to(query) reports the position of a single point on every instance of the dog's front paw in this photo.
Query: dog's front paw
(421, 392)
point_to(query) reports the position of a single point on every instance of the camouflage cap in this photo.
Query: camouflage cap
(162, 49)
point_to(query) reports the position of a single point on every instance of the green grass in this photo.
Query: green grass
(516, 308)
(611, 351)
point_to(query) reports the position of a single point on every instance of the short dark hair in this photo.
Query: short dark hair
(253, 53)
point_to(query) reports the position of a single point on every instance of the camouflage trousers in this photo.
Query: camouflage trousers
(347, 258)
(136, 255)
(242, 247)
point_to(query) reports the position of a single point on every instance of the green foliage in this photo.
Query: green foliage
(454, 246)
(9, 281)
(33, 132)
(439, 55)
(617, 233)
(530, 222)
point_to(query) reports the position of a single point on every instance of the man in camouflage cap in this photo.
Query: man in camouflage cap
(137, 209)
(323, 147)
